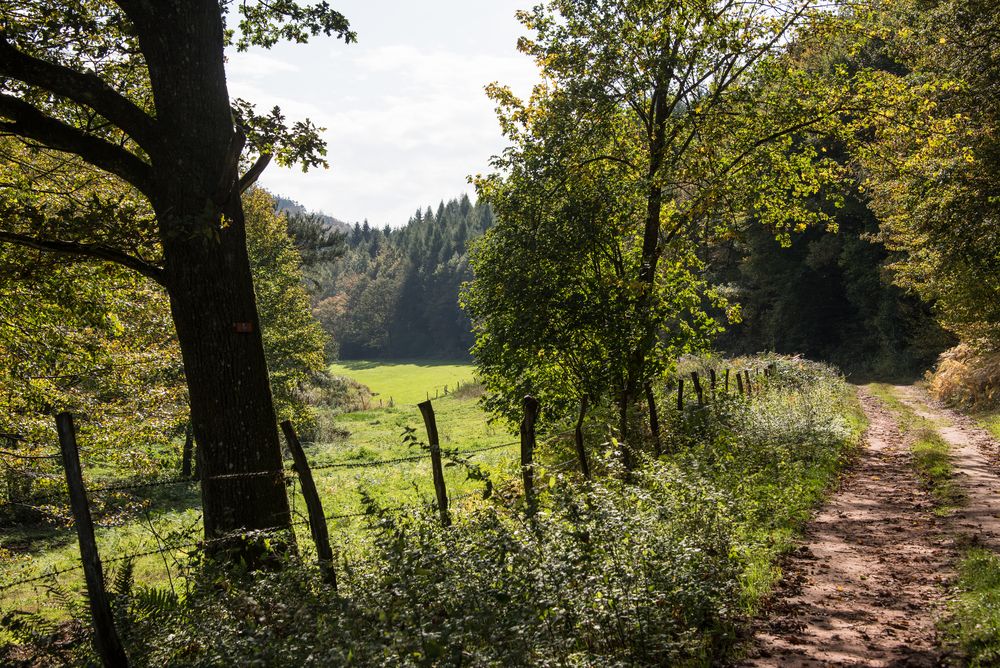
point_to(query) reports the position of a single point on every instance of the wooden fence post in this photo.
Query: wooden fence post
(739, 382)
(427, 411)
(654, 420)
(746, 376)
(680, 394)
(581, 452)
(188, 453)
(697, 388)
(109, 646)
(530, 405)
(317, 520)
(712, 382)
(725, 389)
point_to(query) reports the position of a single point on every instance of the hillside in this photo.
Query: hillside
(394, 293)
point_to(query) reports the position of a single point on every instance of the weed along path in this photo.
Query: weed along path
(865, 587)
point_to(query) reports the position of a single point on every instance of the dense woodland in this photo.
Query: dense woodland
(826, 294)
(393, 293)
(695, 186)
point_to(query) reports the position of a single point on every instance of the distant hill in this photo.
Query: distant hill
(290, 206)
(393, 293)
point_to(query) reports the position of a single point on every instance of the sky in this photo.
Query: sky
(406, 116)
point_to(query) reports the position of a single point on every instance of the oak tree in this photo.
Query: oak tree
(135, 91)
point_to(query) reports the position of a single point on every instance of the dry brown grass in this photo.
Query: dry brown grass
(967, 377)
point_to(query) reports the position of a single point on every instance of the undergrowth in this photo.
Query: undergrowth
(660, 567)
(974, 624)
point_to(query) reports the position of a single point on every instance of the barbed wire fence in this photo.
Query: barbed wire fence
(46, 503)
(301, 473)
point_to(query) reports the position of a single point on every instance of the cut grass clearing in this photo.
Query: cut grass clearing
(406, 381)
(931, 456)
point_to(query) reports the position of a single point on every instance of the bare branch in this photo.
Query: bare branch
(254, 173)
(96, 250)
(27, 121)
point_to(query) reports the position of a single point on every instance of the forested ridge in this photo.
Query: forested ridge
(393, 293)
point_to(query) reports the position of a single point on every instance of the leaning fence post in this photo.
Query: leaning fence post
(317, 520)
(106, 639)
(188, 452)
(697, 388)
(739, 381)
(427, 411)
(680, 394)
(530, 405)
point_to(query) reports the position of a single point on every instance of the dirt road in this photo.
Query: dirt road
(867, 583)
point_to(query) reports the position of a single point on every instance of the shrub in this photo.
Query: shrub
(967, 377)
(661, 567)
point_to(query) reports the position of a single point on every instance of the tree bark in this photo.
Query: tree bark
(581, 451)
(195, 195)
(623, 405)
(232, 412)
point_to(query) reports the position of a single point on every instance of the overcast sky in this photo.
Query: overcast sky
(405, 114)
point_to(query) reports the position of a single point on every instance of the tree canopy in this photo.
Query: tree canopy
(657, 128)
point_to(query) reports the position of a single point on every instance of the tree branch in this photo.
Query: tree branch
(253, 173)
(99, 251)
(84, 88)
(135, 8)
(28, 122)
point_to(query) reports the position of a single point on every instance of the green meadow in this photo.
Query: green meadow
(150, 518)
(406, 381)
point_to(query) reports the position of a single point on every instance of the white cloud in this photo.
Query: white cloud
(257, 65)
(406, 120)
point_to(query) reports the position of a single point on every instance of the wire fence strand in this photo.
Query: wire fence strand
(34, 502)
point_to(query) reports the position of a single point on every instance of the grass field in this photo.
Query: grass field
(406, 381)
(368, 437)
(989, 420)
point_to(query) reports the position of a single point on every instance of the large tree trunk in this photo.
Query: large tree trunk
(207, 270)
(232, 414)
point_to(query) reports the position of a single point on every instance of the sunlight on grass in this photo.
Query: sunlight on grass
(990, 420)
(975, 625)
(372, 435)
(406, 381)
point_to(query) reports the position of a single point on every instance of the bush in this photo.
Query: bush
(967, 377)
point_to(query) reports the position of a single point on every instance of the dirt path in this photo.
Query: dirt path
(864, 588)
(976, 457)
